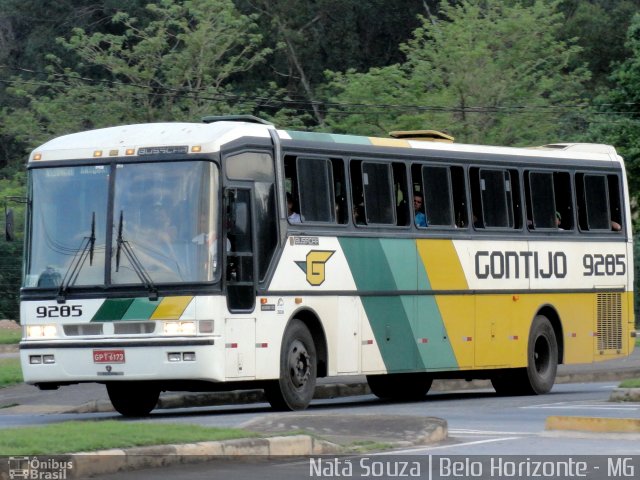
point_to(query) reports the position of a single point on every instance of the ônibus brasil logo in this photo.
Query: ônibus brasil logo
(39, 468)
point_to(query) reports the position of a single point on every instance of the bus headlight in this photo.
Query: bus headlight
(41, 331)
(179, 328)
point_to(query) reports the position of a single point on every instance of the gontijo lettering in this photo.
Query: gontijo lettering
(510, 264)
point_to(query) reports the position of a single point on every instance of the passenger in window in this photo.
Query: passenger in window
(615, 226)
(293, 216)
(358, 214)
(558, 221)
(418, 206)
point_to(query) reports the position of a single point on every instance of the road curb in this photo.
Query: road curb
(625, 395)
(103, 462)
(9, 348)
(593, 424)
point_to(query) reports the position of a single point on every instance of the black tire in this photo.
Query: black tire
(542, 364)
(400, 386)
(298, 370)
(133, 399)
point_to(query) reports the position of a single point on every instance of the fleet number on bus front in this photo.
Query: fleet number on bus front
(55, 311)
(604, 265)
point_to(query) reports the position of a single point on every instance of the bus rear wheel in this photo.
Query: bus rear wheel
(542, 364)
(298, 370)
(133, 399)
(400, 386)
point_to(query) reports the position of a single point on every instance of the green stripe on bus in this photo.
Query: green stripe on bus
(112, 309)
(436, 352)
(368, 265)
(141, 309)
(328, 137)
(389, 316)
(310, 136)
(394, 336)
(409, 330)
(354, 139)
(403, 262)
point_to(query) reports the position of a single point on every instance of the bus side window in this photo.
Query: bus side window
(543, 204)
(563, 192)
(459, 193)
(315, 184)
(496, 198)
(357, 195)
(401, 194)
(549, 200)
(476, 202)
(377, 182)
(598, 202)
(340, 191)
(615, 203)
(317, 189)
(291, 184)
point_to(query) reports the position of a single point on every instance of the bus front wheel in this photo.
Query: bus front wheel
(542, 363)
(298, 370)
(133, 399)
(400, 386)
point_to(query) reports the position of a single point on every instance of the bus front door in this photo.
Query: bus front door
(240, 268)
(240, 330)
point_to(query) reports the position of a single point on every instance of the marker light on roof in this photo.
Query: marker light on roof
(130, 151)
(196, 149)
(37, 156)
(97, 153)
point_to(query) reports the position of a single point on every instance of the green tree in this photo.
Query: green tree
(309, 37)
(11, 252)
(490, 72)
(180, 63)
(617, 119)
(598, 27)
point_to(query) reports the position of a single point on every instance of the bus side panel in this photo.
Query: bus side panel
(408, 328)
(441, 270)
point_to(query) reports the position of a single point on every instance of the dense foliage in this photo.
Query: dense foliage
(511, 72)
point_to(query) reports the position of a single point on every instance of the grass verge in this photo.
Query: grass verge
(10, 372)
(69, 437)
(10, 336)
(631, 383)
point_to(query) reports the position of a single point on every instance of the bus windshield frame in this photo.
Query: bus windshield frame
(123, 224)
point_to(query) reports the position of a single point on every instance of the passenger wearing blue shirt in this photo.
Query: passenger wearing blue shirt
(421, 218)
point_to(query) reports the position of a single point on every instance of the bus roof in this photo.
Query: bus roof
(127, 140)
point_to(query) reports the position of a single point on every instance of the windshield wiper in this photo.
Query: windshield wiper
(136, 265)
(86, 250)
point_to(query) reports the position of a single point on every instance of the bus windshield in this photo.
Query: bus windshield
(164, 224)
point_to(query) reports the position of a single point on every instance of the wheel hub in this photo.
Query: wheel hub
(541, 354)
(299, 364)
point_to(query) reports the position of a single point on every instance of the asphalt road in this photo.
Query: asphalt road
(28, 400)
(480, 423)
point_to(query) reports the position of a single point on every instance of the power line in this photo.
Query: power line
(306, 105)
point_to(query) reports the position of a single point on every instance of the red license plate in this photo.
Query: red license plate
(108, 356)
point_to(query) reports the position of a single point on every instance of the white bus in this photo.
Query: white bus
(231, 254)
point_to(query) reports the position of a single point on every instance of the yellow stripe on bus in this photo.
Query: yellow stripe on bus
(441, 262)
(171, 308)
(389, 142)
(444, 271)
